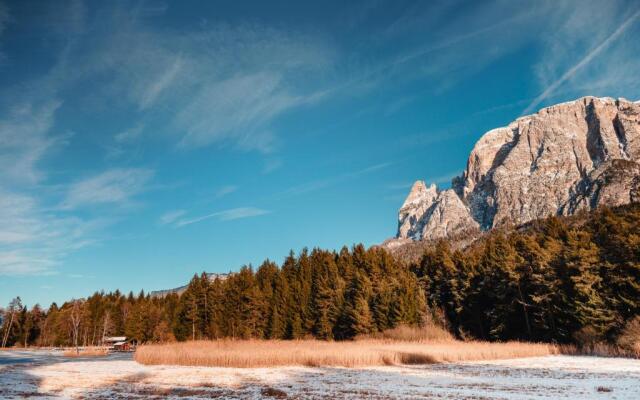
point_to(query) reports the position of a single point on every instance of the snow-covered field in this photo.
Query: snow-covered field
(49, 375)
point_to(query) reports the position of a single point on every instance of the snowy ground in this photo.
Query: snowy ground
(49, 375)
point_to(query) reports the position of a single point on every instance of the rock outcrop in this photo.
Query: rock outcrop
(565, 158)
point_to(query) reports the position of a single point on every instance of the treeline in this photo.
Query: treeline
(560, 279)
(322, 294)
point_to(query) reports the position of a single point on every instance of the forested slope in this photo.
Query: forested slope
(557, 279)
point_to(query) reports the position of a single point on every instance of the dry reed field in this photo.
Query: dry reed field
(401, 345)
(86, 352)
(360, 353)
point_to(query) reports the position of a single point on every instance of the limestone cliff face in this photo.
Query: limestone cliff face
(565, 158)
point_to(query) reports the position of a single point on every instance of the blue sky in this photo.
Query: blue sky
(141, 142)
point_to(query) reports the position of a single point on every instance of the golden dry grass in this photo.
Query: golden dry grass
(86, 352)
(367, 352)
(428, 333)
(601, 350)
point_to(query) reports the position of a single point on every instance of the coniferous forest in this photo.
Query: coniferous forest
(563, 280)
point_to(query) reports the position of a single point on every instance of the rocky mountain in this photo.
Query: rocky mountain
(565, 158)
(179, 290)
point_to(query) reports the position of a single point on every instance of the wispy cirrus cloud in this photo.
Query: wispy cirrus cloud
(454, 32)
(326, 182)
(117, 185)
(458, 31)
(34, 239)
(237, 108)
(166, 79)
(124, 142)
(18, 263)
(612, 78)
(171, 216)
(225, 215)
(130, 134)
(24, 140)
(224, 84)
(226, 190)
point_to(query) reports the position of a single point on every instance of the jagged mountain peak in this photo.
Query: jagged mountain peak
(418, 193)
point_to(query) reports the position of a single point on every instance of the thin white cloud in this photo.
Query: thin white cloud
(224, 85)
(129, 134)
(228, 85)
(16, 263)
(239, 108)
(226, 190)
(453, 41)
(315, 185)
(485, 35)
(171, 216)
(152, 92)
(112, 186)
(226, 215)
(24, 140)
(15, 213)
(34, 239)
(588, 58)
(124, 143)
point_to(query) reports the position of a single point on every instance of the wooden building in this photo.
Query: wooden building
(118, 343)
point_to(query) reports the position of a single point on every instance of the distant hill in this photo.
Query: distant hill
(179, 290)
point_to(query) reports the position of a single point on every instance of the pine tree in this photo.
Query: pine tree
(581, 261)
(187, 323)
(537, 285)
(215, 309)
(325, 294)
(439, 278)
(356, 316)
(616, 236)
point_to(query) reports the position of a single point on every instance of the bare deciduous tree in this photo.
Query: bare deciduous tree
(74, 318)
(107, 325)
(14, 307)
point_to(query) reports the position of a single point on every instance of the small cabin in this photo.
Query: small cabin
(118, 343)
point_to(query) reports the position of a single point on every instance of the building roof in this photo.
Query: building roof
(115, 339)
